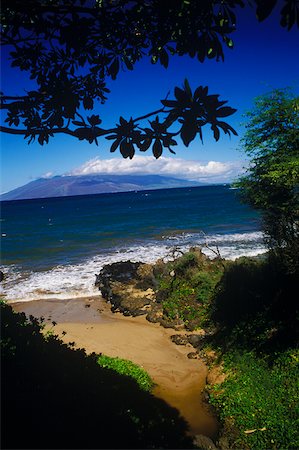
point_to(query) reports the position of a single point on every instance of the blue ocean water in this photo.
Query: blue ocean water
(53, 247)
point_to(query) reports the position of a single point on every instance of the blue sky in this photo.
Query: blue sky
(265, 56)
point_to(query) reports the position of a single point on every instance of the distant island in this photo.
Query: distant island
(63, 186)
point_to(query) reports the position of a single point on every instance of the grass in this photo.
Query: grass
(258, 402)
(126, 367)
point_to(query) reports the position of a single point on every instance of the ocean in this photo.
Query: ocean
(53, 247)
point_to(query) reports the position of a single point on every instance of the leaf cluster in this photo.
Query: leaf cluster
(69, 49)
(272, 179)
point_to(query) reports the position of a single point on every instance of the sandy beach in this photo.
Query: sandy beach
(92, 326)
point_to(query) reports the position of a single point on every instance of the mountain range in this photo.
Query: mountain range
(62, 186)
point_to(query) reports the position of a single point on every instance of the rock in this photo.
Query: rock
(203, 442)
(1, 276)
(128, 286)
(155, 314)
(196, 340)
(193, 355)
(146, 278)
(179, 339)
(176, 324)
(192, 325)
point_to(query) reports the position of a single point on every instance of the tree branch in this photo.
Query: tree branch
(150, 114)
(23, 132)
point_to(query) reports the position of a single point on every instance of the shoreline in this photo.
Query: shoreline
(89, 322)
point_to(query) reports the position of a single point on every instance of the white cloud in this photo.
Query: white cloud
(212, 171)
(47, 175)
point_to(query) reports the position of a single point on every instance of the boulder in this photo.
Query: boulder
(180, 339)
(128, 286)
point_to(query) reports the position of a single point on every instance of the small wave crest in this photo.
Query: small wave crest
(77, 280)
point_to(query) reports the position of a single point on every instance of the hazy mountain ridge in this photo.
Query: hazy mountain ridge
(62, 186)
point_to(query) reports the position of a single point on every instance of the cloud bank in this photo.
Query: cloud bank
(210, 172)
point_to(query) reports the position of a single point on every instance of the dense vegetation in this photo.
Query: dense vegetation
(258, 403)
(255, 307)
(271, 181)
(250, 311)
(56, 397)
(186, 286)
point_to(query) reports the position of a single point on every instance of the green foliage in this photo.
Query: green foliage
(125, 367)
(186, 288)
(53, 396)
(271, 182)
(255, 307)
(259, 403)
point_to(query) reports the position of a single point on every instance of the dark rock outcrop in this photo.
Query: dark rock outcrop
(131, 289)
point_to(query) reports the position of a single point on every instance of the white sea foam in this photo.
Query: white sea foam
(77, 280)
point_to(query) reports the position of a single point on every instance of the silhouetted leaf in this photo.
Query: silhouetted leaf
(226, 128)
(122, 121)
(88, 103)
(188, 88)
(216, 132)
(128, 63)
(157, 149)
(127, 149)
(264, 9)
(114, 68)
(164, 58)
(94, 120)
(200, 92)
(225, 111)
(145, 145)
(180, 95)
(114, 145)
(82, 133)
(169, 103)
(188, 132)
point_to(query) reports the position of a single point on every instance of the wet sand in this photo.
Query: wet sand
(91, 325)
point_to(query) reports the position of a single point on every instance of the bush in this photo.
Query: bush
(128, 368)
(254, 306)
(186, 287)
(258, 403)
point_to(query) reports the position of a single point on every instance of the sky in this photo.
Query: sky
(264, 57)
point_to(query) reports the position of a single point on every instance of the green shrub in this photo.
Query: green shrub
(258, 402)
(254, 306)
(186, 293)
(125, 367)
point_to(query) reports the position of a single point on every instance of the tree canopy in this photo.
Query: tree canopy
(272, 179)
(71, 47)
